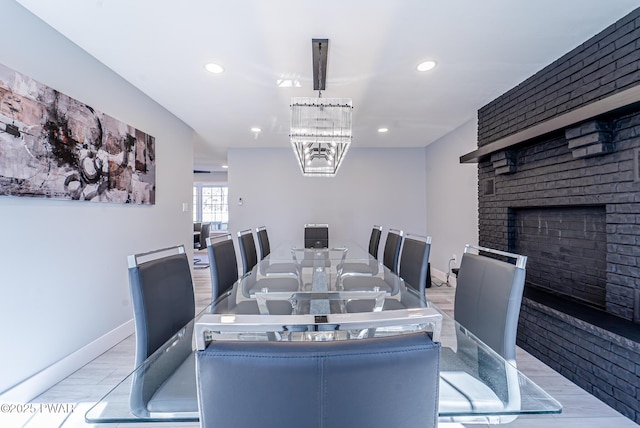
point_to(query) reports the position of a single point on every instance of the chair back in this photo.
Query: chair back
(414, 262)
(263, 242)
(316, 236)
(205, 231)
(162, 296)
(163, 304)
(488, 297)
(374, 241)
(391, 252)
(197, 226)
(247, 250)
(223, 265)
(320, 384)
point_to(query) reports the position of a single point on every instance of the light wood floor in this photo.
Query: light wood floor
(86, 386)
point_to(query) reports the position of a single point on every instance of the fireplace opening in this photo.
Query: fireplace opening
(566, 249)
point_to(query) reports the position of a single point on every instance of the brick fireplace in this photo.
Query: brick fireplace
(559, 181)
(567, 250)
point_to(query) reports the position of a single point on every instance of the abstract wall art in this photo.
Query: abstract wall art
(54, 146)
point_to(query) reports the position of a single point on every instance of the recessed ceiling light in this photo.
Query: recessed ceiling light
(383, 130)
(255, 129)
(214, 68)
(426, 65)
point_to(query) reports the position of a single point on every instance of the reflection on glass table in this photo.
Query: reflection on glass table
(476, 384)
(309, 327)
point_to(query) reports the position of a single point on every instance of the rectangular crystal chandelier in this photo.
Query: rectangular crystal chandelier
(320, 133)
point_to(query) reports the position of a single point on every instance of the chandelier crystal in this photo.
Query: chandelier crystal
(320, 133)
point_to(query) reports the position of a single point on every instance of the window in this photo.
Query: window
(211, 205)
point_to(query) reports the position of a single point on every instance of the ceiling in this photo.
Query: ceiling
(482, 49)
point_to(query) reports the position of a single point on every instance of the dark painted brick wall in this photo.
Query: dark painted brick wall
(602, 363)
(603, 65)
(567, 169)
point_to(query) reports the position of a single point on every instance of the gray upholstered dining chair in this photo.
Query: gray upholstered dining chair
(374, 240)
(316, 236)
(224, 273)
(263, 241)
(487, 305)
(248, 251)
(197, 227)
(223, 265)
(205, 231)
(268, 268)
(488, 297)
(201, 244)
(391, 252)
(163, 305)
(414, 262)
(320, 384)
(360, 268)
(390, 258)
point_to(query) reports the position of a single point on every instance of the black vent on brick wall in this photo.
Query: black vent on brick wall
(487, 186)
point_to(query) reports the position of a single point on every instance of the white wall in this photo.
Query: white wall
(215, 178)
(452, 196)
(373, 186)
(63, 273)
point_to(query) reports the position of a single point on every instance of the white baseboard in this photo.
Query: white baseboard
(35, 385)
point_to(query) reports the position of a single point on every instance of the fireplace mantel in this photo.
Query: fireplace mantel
(629, 98)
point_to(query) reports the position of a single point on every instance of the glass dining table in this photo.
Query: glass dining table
(339, 293)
